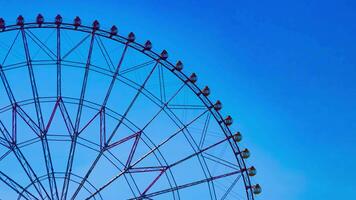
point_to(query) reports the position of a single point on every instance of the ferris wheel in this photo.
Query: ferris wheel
(86, 113)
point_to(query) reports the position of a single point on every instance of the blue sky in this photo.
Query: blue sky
(284, 69)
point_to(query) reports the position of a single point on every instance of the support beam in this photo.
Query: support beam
(187, 185)
(115, 130)
(77, 122)
(140, 159)
(16, 187)
(230, 188)
(59, 64)
(32, 176)
(45, 146)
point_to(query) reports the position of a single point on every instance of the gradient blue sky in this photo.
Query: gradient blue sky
(284, 69)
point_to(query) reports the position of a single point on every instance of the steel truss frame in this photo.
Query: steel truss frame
(127, 168)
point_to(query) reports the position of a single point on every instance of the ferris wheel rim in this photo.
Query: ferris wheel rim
(168, 65)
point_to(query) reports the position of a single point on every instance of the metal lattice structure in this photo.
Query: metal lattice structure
(88, 114)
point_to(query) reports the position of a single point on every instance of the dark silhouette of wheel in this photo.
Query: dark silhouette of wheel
(88, 114)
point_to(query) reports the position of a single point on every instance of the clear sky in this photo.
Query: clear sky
(284, 69)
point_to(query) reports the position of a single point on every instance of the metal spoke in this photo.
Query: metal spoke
(14, 124)
(136, 67)
(187, 158)
(28, 120)
(205, 130)
(162, 108)
(33, 81)
(40, 44)
(3, 142)
(45, 146)
(60, 104)
(199, 152)
(114, 77)
(152, 183)
(102, 129)
(76, 46)
(105, 53)
(146, 169)
(219, 161)
(16, 187)
(132, 102)
(7, 87)
(102, 126)
(162, 87)
(186, 107)
(84, 85)
(213, 178)
(138, 135)
(133, 149)
(12, 45)
(66, 117)
(115, 129)
(121, 141)
(5, 155)
(189, 138)
(230, 188)
(22, 160)
(77, 122)
(180, 130)
(147, 154)
(59, 64)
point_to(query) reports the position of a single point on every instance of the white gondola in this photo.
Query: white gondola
(2, 24)
(193, 78)
(58, 20)
(20, 20)
(114, 30)
(77, 22)
(131, 37)
(164, 55)
(148, 45)
(237, 137)
(228, 121)
(39, 19)
(245, 153)
(218, 105)
(257, 189)
(206, 91)
(96, 25)
(179, 66)
(251, 171)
